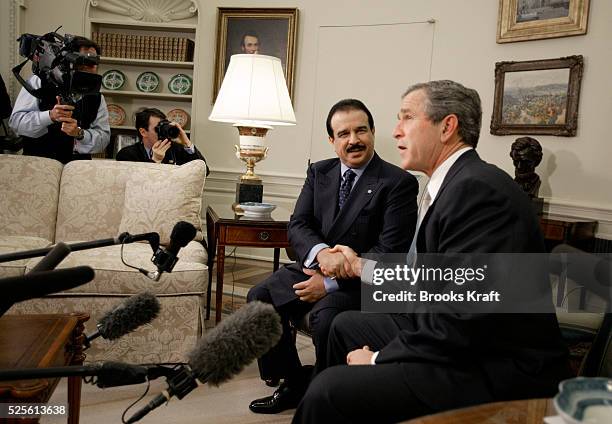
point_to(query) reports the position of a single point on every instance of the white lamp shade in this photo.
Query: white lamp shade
(254, 91)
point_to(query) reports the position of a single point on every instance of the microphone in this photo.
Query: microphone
(38, 284)
(127, 316)
(53, 258)
(223, 352)
(165, 258)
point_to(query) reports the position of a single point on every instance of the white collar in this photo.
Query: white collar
(437, 178)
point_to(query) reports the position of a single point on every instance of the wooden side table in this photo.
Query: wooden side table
(41, 341)
(579, 233)
(225, 228)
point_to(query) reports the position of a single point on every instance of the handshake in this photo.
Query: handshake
(339, 262)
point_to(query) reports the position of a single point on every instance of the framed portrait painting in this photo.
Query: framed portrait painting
(537, 97)
(269, 31)
(524, 20)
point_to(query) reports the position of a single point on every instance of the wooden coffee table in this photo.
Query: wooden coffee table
(530, 411)
(40, 341)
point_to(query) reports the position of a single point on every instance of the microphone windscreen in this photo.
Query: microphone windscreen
(182, 233)
(133, 312)
(235, 342)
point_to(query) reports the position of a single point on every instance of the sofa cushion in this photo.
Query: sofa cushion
(113, 277)
(9, 244)
(29, 193)
(155, 200)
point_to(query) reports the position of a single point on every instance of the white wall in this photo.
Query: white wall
(575, 171)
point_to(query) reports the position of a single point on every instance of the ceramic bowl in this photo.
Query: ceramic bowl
(585, 400)
(257, 210)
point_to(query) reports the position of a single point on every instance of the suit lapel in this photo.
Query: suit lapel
(360, 196)
(328, 185)
(452, 172)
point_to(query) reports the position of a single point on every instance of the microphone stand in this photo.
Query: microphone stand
(110, 374)
(152, 238)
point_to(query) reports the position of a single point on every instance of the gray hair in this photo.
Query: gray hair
(445, 97)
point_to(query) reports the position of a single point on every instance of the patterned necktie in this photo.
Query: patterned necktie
(345, 188)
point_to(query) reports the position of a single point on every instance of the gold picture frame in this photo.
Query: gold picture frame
(524, 20)
(537, 97)
(273, 29)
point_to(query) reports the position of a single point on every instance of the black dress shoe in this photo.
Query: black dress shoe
(285, 397)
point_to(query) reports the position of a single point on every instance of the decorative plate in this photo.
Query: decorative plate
(585, 400)
(180, 84)
(113, 79)
(257, 210)
(147, 82)
(179, 116)
(116, 115)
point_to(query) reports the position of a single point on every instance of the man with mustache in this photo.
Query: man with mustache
(356, 199)
(392, 367)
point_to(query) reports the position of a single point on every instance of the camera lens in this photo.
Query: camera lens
(166, 130)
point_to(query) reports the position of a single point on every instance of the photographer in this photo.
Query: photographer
(156, 133)
(61, 131)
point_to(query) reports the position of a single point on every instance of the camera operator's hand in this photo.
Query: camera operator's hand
(60, 111)
(159, 150)
(70, 126)
(182, 138)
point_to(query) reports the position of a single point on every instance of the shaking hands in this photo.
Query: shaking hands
(339, 262)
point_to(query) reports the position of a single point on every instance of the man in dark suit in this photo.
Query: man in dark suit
(414, 364)
(151, 149)
(356, 199)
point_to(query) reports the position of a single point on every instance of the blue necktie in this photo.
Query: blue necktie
(345, 188)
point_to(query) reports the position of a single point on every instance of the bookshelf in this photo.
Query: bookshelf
(137, 39)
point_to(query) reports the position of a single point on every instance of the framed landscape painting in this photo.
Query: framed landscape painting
(537, 97)
(524, 20)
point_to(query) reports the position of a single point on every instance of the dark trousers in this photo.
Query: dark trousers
(350, 394)
(282, 361)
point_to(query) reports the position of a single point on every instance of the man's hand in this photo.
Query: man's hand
(360, 357)
(60, 111)
(182, 138)
(312, 289)
(334, 264)
(351, 258)
(159, 149)
(70, 126)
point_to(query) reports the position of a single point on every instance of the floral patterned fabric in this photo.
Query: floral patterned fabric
(29, 193)
(155, 200)
(9, 244)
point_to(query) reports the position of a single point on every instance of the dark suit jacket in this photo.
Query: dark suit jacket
(176, 154)
(479, 358)
(379, 216)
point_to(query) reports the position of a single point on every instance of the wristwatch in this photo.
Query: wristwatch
(80, 135)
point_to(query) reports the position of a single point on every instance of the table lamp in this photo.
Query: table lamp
(254, 97)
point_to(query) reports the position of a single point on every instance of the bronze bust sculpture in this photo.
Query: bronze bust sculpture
(526, 154)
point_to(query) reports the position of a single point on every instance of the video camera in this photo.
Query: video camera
(55, 60)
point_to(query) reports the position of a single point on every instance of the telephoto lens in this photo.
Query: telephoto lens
(165, 130)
